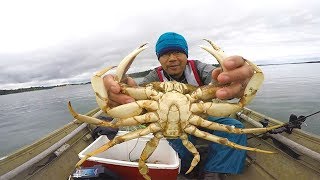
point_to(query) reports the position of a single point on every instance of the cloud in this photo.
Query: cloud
(48, 43)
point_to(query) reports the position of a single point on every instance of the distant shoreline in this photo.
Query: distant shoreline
(305, 62)
(21, 90)
(134, 75)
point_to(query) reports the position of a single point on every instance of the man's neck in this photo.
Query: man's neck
(177, 78)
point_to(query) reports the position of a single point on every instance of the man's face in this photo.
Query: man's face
(174, 63)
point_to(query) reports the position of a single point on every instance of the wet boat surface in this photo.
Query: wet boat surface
(59, 154)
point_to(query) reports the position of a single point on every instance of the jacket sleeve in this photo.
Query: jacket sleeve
(151, 77)
(205, 71)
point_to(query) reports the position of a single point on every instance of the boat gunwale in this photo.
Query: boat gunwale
(42, 143)
(298, 132)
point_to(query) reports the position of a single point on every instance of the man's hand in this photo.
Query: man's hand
(116, 98)
(237, 74)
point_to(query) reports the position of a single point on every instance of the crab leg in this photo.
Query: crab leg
(190, 129)
(198, 121)
(204, 93)
(88, 119)
(136, 120)
(146, 153)
(192, 149)
(132, 109)
(218, 109)
(152, 91)
(152, 128)
(208, 92)
(140, 93)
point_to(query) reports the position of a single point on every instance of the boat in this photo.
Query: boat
(54, 156)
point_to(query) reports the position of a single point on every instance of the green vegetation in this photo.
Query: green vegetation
(20, 90)
(11, 91)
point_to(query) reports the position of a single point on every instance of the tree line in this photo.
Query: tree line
(20, 90)
(11, 91)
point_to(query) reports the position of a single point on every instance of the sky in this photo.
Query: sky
(44, 43)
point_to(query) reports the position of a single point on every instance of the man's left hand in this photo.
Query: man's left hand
(236, 74)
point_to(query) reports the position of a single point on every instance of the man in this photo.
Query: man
(172, 53)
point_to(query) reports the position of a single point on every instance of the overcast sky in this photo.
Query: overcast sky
(54, 42)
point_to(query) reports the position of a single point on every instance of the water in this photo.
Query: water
(26, 117)
(291, 88)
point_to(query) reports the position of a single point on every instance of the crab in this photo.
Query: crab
(170, 110)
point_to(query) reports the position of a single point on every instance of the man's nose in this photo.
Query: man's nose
(172, 57)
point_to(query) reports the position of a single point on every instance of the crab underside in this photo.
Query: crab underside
(170, 110)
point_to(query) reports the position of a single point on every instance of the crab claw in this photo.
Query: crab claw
(127, 61)
(97, 80)
(254, 83)
(217, 52)
(99, 89)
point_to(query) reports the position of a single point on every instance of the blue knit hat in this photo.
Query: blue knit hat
(171, 41)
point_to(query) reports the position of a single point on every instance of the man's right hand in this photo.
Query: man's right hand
(115, 97)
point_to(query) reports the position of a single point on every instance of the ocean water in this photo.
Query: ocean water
(291, 89)
(26, 117)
